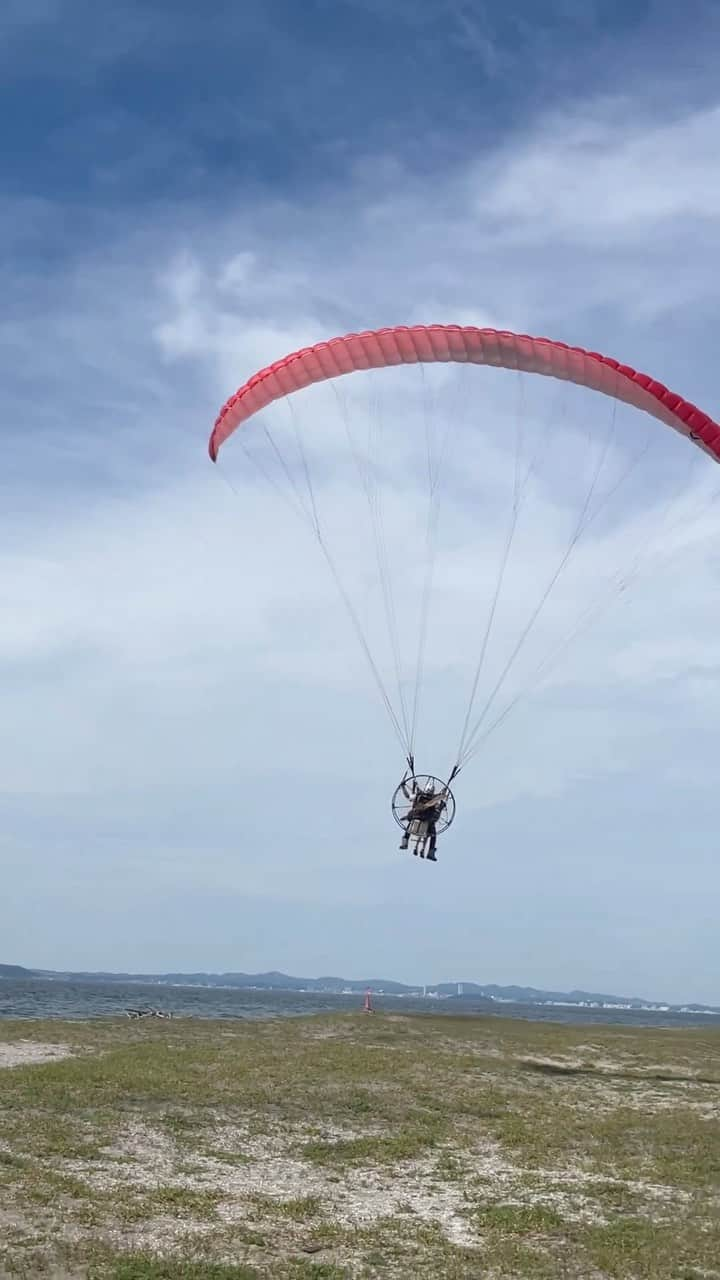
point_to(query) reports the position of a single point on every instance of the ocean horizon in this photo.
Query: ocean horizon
(80, 999)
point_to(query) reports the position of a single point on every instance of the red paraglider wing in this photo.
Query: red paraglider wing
(380, 348)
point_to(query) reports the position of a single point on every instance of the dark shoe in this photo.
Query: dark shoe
(431, 857)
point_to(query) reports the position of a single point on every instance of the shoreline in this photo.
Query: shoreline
(56, 999)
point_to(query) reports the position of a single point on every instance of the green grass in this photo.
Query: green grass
(299, 1209)
(406, 1144)
(144, 1267)
(235, 1151)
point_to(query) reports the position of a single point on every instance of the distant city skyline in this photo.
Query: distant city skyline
(379, 986)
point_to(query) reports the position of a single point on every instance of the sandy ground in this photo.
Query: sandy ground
(22, 1053)
(184, 1179)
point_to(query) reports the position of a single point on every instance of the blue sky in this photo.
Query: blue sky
(186, 197)
(157, 100)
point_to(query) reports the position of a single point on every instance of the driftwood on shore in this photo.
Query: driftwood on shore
(147, 1013)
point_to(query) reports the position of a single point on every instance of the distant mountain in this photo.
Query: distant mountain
(458, 992)
(250, 981)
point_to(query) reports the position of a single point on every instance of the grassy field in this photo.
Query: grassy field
(358, 1146)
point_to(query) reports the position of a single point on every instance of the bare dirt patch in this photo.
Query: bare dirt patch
(21, 1053)
(379, 1147)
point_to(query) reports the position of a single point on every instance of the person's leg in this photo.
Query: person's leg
(433, 842)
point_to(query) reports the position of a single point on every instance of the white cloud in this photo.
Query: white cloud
(603, 178)
(169, 645)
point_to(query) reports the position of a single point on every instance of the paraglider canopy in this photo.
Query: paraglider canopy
(585, 494)
(463, 344)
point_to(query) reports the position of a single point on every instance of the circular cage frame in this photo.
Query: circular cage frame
(401, 804)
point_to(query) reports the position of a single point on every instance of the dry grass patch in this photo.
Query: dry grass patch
(360, 1147)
